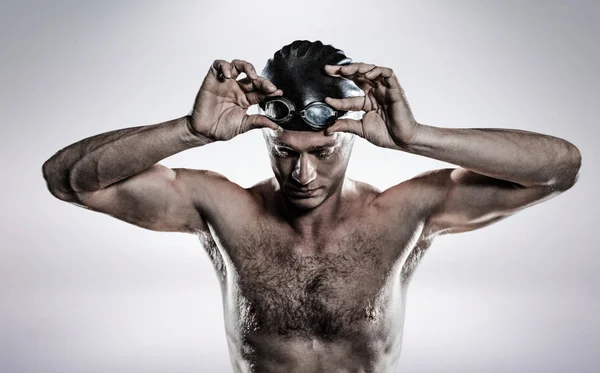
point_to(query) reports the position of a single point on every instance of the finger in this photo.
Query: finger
(222, 67)
(360, 67)
(264, 85)
(246, 84)
(246, 67)
(260, 84)
(333, 69)
(350, 103)
(350, 69)
(277, 92)
(383, 75)
(366, 76)
(257, 121)
(346, 125)
(355, 72)
(363, 83)
(255, 97)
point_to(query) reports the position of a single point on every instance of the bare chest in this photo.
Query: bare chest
(331, 290)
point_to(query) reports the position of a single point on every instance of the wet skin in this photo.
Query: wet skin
(314, 281)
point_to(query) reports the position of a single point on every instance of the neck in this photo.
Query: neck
(320, 219)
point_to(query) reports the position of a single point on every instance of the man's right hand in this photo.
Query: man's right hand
(220, 108)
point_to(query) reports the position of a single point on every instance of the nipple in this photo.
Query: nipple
(371, 313)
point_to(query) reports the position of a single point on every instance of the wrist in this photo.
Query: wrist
(192, 136)
(412, 140)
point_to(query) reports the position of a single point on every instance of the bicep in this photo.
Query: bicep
(158, 198)
(460, 200)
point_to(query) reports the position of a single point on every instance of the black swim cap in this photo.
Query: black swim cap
(298, 70)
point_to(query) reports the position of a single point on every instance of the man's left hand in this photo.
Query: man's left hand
(388, 121)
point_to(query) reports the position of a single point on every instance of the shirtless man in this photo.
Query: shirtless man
(314, 267)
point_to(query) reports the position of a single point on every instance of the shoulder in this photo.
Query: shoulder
(360, 190)
(217, 194)
(263, 192)
(209, 184)
(420, 193)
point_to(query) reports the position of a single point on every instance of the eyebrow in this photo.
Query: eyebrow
(312, 148)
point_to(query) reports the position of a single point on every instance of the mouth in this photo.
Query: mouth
(302, 193)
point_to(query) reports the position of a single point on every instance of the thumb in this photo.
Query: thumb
(253, 121)
(346, 125)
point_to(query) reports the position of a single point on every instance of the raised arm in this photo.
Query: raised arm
(117, 172)
(501, 170)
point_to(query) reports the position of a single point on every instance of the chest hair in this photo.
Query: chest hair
(328, 291)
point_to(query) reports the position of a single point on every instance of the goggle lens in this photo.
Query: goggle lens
(319, 115)
(277, 110)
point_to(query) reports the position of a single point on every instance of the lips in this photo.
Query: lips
(302, 193)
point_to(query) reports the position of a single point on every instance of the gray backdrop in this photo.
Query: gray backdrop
(83, 292)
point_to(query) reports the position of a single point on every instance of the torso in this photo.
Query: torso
(332, 303)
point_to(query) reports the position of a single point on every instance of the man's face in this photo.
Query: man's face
(309, 166)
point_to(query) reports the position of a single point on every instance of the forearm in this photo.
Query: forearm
(98, 161)
(522, 157)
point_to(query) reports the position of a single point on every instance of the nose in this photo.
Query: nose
(304, 171)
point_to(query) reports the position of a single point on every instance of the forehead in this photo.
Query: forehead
(301, 140)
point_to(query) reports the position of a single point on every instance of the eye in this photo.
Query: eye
(282, 152)
(324, 154)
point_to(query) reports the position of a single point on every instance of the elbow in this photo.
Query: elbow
(569, 173)
(53, 176)
(48, 170)
(48, 173)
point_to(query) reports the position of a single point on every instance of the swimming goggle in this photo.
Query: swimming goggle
(317, 115)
